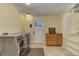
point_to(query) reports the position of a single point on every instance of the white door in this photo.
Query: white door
(38, 31)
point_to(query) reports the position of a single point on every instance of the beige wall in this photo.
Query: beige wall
(49, 21)
(73, 24)
(9, 19)
(52, 21)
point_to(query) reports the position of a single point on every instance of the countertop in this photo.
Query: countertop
(13, 34)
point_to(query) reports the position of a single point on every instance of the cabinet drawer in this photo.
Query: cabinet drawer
(51, 40)
(51, 43)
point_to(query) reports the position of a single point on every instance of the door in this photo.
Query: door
(38, 31)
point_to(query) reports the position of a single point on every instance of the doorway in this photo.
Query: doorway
(38, 31)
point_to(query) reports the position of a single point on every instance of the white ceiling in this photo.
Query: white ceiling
(42, 8)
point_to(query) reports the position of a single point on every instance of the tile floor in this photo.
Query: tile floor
(56, 51)
(53, 50)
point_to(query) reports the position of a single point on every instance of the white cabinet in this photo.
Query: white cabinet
(11, 45)
(8, 46)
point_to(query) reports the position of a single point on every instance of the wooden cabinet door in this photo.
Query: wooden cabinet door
(51, 39)
(59, 39)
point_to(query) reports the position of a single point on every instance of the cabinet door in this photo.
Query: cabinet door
(59, 39)
(9, 47)
(51, 39)
(54, 39)
(1, 45)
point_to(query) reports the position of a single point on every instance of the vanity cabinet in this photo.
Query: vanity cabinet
(53, 39)
(8, 46)
(14, 45)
